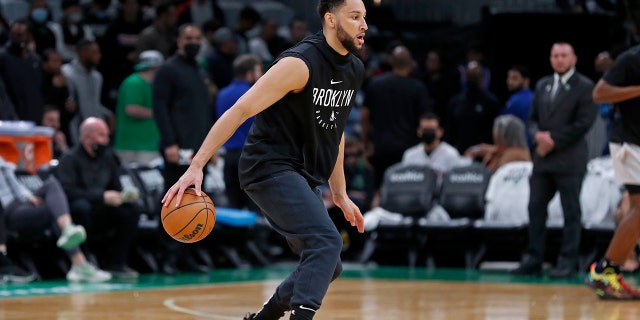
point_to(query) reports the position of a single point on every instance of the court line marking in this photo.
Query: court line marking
(170, 303)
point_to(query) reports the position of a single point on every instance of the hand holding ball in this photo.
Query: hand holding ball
(192, 220)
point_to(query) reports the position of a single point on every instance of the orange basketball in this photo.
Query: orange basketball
(192, 220)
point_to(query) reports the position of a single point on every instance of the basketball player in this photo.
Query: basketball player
(296, 144)
(620, 86)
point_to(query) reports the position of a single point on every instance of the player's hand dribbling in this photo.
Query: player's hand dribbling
(193, 177)
(351, 211)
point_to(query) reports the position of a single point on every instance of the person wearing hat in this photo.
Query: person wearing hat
(136, 135)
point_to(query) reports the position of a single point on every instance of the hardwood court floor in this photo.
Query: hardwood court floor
(380, 294)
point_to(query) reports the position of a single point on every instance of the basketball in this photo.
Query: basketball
(192, 220)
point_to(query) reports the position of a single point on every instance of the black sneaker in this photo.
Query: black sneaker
(9, 272)
(249, 316)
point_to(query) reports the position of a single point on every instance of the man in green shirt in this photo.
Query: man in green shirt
(136, 136)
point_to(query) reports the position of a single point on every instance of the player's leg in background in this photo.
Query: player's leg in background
(631, 264)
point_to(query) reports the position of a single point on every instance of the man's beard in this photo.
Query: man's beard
(347, 40)
(515, 89)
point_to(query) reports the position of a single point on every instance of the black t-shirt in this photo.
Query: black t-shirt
(302, 131)
(626, 121)
(395, 105)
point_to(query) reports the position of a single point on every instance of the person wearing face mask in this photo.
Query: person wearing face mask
(42, 34)
(90, 177)
(431, 151)
(71, 30)
(182, 108)
(21, 73)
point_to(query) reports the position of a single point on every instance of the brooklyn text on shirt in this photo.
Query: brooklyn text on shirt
(327, 103)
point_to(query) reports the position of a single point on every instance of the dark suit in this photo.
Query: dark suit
(567, 116)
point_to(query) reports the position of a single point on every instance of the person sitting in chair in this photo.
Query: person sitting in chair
(510, 144)
(26, 211)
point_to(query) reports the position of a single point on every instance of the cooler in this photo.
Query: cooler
(25, 144)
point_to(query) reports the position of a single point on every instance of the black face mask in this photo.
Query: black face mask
(16, 44)
(428, 136)
(191, 50)
(99, 149)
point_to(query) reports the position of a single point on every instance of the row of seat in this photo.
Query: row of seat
(463, 218)
(235, 230)
(470, 215)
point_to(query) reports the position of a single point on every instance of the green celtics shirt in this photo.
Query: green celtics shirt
(135, 134)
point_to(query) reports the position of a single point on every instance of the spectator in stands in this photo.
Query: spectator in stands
(440, 82)
(247, 70)
(297, 31)
(55, 89)
(51, 119)
(474, 54)
(360, 189)
(183, 113)
(519, 103)
(268, 44)
(598, 136)
(85, 85)
(247, 27)
(97, 16)
(21, 72)
(432, 151)
(90, 176)
(220, 61)
(198, 12)
(562, 113)
(209, 29)
(118, 47)
(602, 62)
(161, 34)
(39, 17)
(9, 271)
(393, 104)
(27, 211)
(358, 175)
(509, 144)
(71, 30)
(472, 111)
(136, 133)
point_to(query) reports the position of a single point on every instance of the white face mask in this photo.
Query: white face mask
(39, 15)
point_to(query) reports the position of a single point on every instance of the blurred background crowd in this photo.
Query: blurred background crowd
(137, 84)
